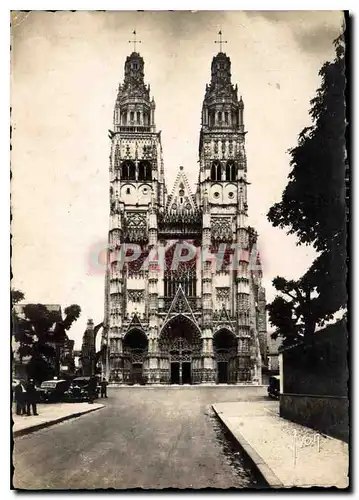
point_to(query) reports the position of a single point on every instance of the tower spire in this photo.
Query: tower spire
(220, 41)
(134, 41)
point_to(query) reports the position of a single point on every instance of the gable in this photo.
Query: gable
(181, 198)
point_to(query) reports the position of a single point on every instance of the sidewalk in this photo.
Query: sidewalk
(287, 454)
(50, 414)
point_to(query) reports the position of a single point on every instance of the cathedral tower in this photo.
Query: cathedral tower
(136, 193)
(235, 284)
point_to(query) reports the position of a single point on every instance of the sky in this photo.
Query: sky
(65, 70)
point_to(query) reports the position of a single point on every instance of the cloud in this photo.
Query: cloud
(313, 31)
(317, 41)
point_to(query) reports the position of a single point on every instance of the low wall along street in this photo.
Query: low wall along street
(315, 382)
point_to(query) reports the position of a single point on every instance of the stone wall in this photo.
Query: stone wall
(327, 414)
(315, 382)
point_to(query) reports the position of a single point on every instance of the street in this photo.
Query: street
(144, 438)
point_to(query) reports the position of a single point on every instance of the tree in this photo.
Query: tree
(313, 208)
(40, 331)
(16, 296)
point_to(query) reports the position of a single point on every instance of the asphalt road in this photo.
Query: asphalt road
(143, 438)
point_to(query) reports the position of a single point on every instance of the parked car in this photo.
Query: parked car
(274, 386)
(53, 391)
(79, 389)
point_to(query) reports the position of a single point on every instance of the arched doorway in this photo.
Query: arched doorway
(180, 344)
(135, 349)
(225, 351)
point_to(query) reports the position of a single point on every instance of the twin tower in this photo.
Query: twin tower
(183, 297)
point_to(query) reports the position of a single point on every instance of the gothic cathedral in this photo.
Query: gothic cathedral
(183, 297)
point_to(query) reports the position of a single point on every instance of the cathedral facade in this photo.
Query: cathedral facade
(184, 302)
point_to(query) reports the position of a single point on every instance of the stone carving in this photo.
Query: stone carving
(180, 350)
(136, 227)
(179, 305)
(136, 295)
(223, 294)
(115, 207)
(135, 321)
(221, 229)
(243, 301)
(117, 157)
(148, 151)
(116, 299)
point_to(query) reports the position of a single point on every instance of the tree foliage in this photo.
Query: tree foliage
(313, 203)
(313, 208)
(16, 296)
(39, 331)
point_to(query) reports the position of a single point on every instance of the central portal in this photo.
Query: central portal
(180, 344)
(181, 372)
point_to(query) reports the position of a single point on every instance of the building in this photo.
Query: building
(67, 359)
(184, 302)
(77, 361)
(273, 347)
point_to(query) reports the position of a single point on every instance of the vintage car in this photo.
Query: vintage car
(53, 391)
(274, 386)
(79, 389)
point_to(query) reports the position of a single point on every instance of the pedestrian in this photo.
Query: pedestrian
(92, 389)
(31, 398)
(20, 398)
(103, 388)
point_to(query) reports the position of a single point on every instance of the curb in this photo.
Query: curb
(257, 460)
(43, 425)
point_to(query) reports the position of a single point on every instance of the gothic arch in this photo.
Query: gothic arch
(128, 170)
(135, 338)
(184, 274)
(144, 171)
(180, 344)
(216, 171)
(135, 349)
(224, 338)
(225, 353)
(230, 171)
(180, 326)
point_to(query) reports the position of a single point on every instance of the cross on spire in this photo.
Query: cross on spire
(134, 41)
(220, 41)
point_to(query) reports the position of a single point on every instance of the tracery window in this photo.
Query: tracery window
(230, 171)
(216, 171)
(144, 171)
(183, 274)
(128, 170)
